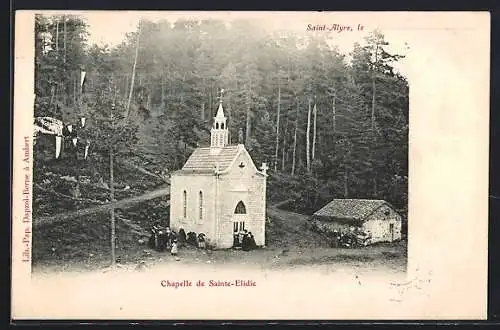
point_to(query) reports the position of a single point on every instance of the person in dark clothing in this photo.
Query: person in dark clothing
(251, 240)
(248, 241)
(245, 244)
(182, 236)
(335, 239)
(236, 241)
(191, 238)
(151, 241)
(162, 240)
(201, 241)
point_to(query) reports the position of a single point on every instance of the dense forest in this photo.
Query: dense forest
(330, 125)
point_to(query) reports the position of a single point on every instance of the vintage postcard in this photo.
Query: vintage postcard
(250, 165)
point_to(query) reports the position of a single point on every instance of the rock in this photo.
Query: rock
(177, 259)
(141, 241)
(208, 261)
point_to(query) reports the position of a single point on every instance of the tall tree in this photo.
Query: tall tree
(315, 111)
(308, 136)
(295, 137)
(132, 80)
(277, 128)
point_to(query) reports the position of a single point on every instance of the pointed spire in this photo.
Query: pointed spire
(220, 110)
(220, 132)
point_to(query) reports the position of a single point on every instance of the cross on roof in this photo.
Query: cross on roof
(264, 167)
(221, 92)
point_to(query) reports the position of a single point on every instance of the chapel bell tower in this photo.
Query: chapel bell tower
(219, 132)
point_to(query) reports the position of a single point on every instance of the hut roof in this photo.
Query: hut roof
(350, 209)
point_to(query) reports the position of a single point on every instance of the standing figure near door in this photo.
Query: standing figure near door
(219, 191)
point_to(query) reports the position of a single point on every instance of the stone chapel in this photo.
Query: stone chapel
(219, 191)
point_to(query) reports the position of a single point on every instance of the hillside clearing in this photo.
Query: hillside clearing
(83, 244)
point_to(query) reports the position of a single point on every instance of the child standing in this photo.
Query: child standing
(173, 250)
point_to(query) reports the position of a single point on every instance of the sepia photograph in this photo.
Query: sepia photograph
(218, 156)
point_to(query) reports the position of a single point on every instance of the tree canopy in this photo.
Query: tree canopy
(355, 112)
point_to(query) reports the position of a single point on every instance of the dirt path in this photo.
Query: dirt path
(124, 203)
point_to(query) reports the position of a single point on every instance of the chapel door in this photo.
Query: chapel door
(239, 219)
(391, 231)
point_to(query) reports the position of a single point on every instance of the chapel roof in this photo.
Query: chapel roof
(351, 209)
(202, 160)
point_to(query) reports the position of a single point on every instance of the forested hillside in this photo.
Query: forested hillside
(328, 124)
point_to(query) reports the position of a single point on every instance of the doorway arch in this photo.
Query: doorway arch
(240, 208)
(239, 218)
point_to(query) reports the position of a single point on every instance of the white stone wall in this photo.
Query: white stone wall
(193, 185)
(379, 223)
(221, 195)
(246, 185)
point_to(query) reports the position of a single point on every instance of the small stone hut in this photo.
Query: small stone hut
(376, 217)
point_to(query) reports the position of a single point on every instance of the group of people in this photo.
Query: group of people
(163, 238)
(245, 240)
(192, 239)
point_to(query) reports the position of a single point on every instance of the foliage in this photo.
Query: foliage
(362, 105)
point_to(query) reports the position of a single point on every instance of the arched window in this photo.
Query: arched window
(201, 206)
(222, 126)
(184, 203)
(240, 208)
(216, 125)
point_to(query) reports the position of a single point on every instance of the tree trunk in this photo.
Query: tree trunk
(63, 89)
(64, 38)
(57, 36)
(334, 110)
(210, 100)
(374, 88)
(54, 99)
(283, 150)
(162, 91)
(229, 116)
(75, 83)
(373, 105)
(248, 115)
(308, 133)
(295, 138)
(347, 153)
(112, 197)
(315, 110)
(80, 95)
(277, 129)
(126, 88)
(127, 109)
(247, 130)
(203, 111)
(52, 95)
(346, 191)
